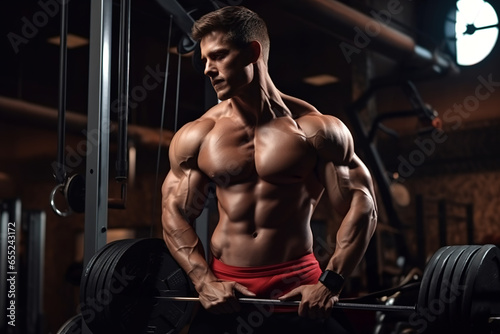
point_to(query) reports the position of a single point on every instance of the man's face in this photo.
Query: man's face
(228, 67)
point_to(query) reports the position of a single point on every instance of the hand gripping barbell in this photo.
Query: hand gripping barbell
(135, 286)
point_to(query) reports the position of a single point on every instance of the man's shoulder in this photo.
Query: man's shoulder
(330, 136)
(195, 129)
(191, 135)
(315, 121)
(299, 108)
(305, 112)
(187, 140)
(311, 120)
(327, 133)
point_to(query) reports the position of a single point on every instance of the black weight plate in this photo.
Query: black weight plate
(445, 294)
(171, 280)
(102, 294)
(97, 295)
(471, 276)
(445, 285)
(108, 270)
(422, 302)
(110, 281)
(457, 285)
(93, 303)
(436, 307)
(93, 300)
(148, 268)
(98, 269)
(89, 270)
(132, 268)
(486, 289)
(72, 326)
(87, 294)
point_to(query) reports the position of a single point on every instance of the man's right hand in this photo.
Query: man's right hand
(219, 297)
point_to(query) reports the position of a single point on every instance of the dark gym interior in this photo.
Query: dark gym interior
(427, 126)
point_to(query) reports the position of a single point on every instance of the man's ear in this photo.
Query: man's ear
(255, 51)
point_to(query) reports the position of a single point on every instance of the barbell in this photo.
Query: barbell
(136, 286)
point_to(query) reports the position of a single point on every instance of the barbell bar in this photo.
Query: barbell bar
(296, 303)
(134, 286)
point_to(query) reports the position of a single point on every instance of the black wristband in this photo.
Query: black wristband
(332, 280)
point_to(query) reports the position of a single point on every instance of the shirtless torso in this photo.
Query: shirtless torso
(271, 157)
(268, 185)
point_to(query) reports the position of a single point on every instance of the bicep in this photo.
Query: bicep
(332, 140)
(185, 188)
(184, 193)
(343, 181)
(342, 171)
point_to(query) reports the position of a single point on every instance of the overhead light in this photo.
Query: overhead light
(321, 79)
(72, 41)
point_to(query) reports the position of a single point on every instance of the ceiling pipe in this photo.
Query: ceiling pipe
(361, 31)
(26, 112)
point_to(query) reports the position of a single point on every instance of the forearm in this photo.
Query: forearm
(354, 234)
(185, 247)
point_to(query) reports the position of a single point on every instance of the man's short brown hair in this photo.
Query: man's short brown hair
(240, 24)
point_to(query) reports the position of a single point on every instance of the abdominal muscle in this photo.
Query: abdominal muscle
(257, 229)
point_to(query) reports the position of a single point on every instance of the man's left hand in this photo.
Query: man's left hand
(316, 300)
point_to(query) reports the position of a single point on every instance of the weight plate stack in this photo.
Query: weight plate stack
(90, 305)
(425, 285)
(139, 272)
(451, 288)
(458, 288)
(483, 289)
(435, 306)
(104, 293)
(445, 293)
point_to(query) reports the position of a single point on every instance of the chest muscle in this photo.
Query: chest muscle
(276, 152)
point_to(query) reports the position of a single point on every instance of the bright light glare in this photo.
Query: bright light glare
(471, 49)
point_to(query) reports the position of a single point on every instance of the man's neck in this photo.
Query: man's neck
(262, 100)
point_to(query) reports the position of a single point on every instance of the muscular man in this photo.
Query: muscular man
(271, 157)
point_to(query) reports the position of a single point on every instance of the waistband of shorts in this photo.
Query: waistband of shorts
(308, 260)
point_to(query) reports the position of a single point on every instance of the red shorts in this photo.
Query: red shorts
(272, 281)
